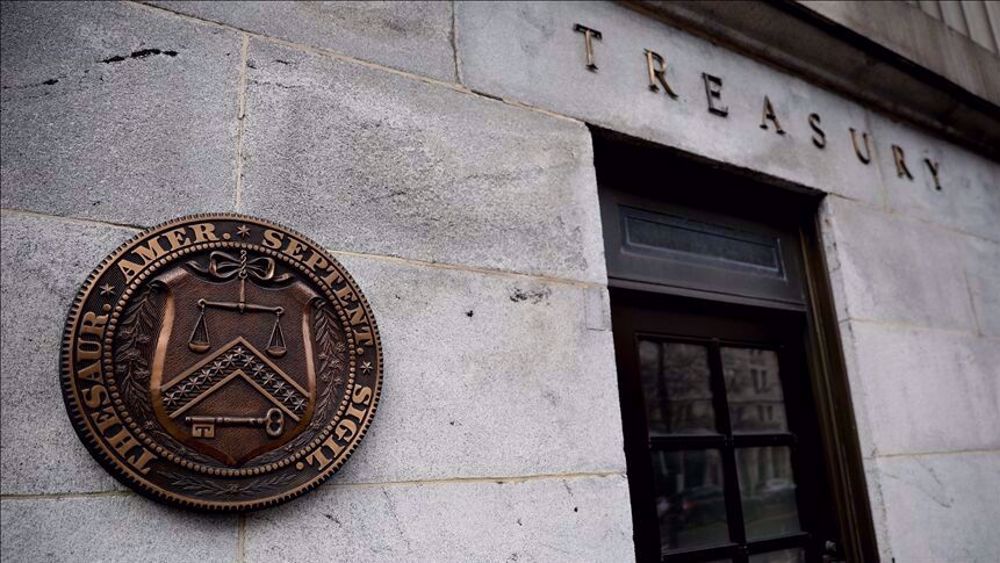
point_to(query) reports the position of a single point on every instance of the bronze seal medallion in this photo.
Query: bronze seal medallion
(221, 362)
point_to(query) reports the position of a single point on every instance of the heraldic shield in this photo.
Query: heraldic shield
(235, 338)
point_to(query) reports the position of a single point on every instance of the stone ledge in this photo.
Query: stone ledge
(960, 105)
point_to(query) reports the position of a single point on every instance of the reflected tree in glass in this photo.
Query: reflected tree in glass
(690, 505)
(676, 387)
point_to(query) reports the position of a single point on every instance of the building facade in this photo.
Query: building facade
(691, 280)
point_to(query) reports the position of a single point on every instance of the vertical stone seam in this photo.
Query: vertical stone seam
(454, 41)
(972, 303)
(877, 162)
(241, 538)
(241, 107)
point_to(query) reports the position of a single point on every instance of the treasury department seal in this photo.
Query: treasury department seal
(221, 362)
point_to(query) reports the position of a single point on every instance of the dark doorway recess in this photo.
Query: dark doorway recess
(739, 433)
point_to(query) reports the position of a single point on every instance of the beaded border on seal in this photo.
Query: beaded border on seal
(126, 475)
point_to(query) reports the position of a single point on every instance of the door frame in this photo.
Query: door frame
(834, 407)
(625, 161)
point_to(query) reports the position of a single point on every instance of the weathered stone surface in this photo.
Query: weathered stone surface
(530, 53)
(112, 528)
(412, 36)
(373, 162)
(982, 269)
(44, 261)
(598, 309)
(969, 198)
(899, 270)
(485, 375)
(490, 376)
(928, 390)
(873, 482)
(828, 237)
(943, 507)
(114, 112)
(552, 519)
(859, 397)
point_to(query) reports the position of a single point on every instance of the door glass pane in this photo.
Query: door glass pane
(756, 403)
(690, 504)
(675, 383)
(784, 556)
(767, 489)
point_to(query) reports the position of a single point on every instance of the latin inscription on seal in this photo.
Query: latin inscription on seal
(221, 362)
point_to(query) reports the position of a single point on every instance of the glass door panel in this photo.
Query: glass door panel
(675, 384)
(690, 505)
(753, 390)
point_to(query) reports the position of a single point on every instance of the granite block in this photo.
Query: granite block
(485, 375)
(372, 162)
(44, 262)
(410, 36)
(114, 112)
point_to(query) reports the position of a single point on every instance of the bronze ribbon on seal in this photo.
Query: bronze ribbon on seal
(224, 266)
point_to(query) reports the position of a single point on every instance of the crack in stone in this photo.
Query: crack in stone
(140, 54)
(48, 82)
(269, 83)
(395, 518)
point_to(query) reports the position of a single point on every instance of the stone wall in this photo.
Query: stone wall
(439, 150)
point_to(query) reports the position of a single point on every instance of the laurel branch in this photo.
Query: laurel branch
(332, 359)
(132, 356)
(205, 487)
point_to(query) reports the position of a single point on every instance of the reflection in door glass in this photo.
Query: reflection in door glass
(785, 556)
(767, 489)
(690, 505)
(756, 403)
(675, 383)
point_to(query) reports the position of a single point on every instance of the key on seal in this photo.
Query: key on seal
(273, 422)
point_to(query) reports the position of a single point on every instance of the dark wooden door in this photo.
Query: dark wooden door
(721, 440)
